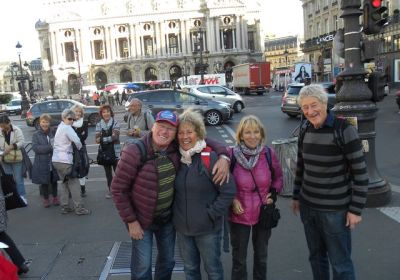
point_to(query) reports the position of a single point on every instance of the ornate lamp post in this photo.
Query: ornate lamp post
(354, 100)
(286, 53)
(22, 78)
(186, 69)
(202, 61)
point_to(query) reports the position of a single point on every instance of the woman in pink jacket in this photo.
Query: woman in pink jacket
(255, 185)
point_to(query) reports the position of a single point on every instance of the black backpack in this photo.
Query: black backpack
(339, 125)
(81, 164)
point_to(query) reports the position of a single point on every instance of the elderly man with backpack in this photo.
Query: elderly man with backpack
(330, 187)
(143, 183)
(139, 121)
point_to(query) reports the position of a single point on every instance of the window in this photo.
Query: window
(96, 31)
(217, 90)
(49, 107)
(148, 45)
(98, 49)
(160, 97)
(251, 41)
(67, 33)
(396, 42)
(173, 43)
(122, 29)
(69, 52)
(65, 105)
(172, 24)
(185, 98)
(335, 22)
(228, 38)
(146, 27)
(123, 47)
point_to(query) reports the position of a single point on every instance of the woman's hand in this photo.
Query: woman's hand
(237, 207)
(8, 149)
(268, 199)
(220, 171)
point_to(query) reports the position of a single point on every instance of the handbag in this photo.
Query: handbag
(81, 165)
(13, 156)
(11, 196)
(269, 213)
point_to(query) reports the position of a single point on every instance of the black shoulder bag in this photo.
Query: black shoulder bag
(269, 213)
(8, 187)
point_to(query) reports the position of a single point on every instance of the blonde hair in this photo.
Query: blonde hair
(77, 107)
(196, 119)
(45, 117)
(250, 121)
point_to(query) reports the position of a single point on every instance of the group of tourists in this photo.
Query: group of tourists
(171, 181)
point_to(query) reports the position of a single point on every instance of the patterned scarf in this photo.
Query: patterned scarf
(241, 151)
(186, 156)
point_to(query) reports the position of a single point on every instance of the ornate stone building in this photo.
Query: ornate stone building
(98, 41)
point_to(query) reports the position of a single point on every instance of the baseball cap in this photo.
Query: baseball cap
(167, 116)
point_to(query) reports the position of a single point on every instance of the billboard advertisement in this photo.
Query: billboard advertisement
(301, 72)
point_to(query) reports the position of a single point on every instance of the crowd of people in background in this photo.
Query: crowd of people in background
(170, 181)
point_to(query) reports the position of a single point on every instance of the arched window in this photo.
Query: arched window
(150, 74)
(125, 76)
(175, 72)
(101, 79)
(73, 84)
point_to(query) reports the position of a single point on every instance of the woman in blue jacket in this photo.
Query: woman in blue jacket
(199, 204)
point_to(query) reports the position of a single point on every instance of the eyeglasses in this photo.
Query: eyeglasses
(70, 119)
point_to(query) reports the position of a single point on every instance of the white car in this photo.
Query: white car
(217, 93)
(14, 107)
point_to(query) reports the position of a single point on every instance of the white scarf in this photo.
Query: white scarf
(186, 156)
(78, 123)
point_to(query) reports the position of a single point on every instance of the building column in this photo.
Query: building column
(53, 49)
(245, 36)
(218, 33)
(139, 52)
(238, 33)
(132, 46)
(158, 36)
(184, 38)
(189, 38)
(112, 43)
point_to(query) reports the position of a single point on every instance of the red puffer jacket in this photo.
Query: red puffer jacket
(135, 191)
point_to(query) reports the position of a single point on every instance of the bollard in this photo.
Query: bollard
(286, 150)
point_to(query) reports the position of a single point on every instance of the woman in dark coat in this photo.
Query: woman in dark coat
(43, 172)
(81, 128)
(12, 250)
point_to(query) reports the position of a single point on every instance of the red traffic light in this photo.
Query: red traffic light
(376, 3)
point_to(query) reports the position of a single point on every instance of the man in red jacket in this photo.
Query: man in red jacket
(143, 191)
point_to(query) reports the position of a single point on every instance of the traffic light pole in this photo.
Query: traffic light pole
(354, 101)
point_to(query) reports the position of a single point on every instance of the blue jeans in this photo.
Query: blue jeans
(329, 241)
(142, 253)
(15, 169)
(206, 248)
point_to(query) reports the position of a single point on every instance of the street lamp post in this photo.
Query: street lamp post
(286, 53)
(186, 69)
(201, 64)
(22, 78)
(354, 101)
(79, 70)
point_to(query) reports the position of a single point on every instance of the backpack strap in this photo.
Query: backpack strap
(303, 129)
(269, 161)
(145, 119)
(143, 152)
(206, 157)
(339, 124)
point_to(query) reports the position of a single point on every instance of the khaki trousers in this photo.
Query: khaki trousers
(69, 186)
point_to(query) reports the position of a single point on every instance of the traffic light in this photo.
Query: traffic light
(373, 17)
(377, 83)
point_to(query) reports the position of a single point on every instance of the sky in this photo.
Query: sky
(17, 23)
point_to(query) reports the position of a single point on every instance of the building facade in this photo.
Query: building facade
(282, 53)
(322, 21)
(98, 41)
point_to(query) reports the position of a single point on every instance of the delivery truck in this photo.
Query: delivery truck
(251, 78)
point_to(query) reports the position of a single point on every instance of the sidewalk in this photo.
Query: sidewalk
(74, 247)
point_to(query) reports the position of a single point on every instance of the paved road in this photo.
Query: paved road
(80, 248)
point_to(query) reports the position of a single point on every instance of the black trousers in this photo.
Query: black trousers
(109, 176)
(12, 249)
(44, 190)
(240, 235)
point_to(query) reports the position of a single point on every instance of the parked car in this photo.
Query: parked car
(13, 107)
(218, 93)
(214, 112)
(289, 103)
(55, 107)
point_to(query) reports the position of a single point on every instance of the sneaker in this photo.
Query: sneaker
(56, 202)
(66, 210)
(24, 199)
(82, 211)
(46, 203)
(108, 195)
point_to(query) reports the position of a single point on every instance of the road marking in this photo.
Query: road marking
(230, 131)
(391, 212)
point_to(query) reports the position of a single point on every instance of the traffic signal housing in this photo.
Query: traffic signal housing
(377, 83)
(374, 16)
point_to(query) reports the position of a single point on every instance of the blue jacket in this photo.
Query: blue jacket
(199, 204)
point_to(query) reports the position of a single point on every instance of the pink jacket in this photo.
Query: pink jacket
(246, 192)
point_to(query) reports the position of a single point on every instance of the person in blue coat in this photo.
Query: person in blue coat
(43, 172)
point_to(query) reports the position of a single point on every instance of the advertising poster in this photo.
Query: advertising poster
(397, 70)
(301, 72)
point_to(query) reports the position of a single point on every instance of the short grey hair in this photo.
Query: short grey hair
(79, 108)
(68, 113)
(196, 119)
(314, 90)
(135, 100)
